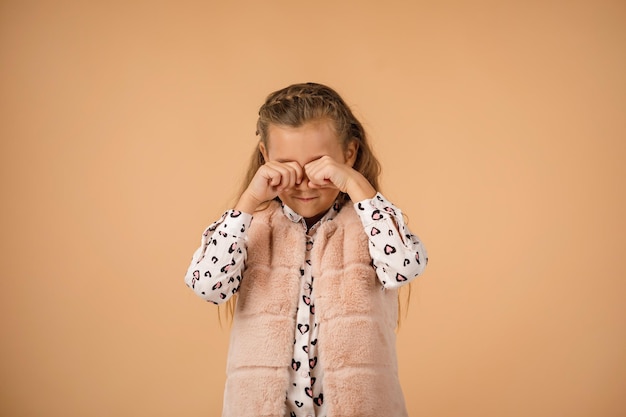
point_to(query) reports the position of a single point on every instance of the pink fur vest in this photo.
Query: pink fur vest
(357, 321)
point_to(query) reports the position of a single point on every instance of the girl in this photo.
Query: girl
(315, 255)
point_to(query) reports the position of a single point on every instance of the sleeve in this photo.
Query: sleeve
(217, 265)
(397, 254)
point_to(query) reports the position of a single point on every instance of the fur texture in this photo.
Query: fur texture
(357, 321)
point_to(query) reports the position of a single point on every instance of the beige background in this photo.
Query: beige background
(126, 127)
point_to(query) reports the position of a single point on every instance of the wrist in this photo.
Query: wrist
(359, 188)
(247, 204)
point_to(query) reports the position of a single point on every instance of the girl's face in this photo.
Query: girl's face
(304, 144)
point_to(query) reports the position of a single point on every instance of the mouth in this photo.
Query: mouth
(305, 199)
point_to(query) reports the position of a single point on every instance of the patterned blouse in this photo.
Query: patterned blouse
(217, 266)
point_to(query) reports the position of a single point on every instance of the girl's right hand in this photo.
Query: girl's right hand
(271, 179)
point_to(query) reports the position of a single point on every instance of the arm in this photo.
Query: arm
(397, 254)
(217, 266)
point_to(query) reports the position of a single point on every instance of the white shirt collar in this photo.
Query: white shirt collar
(296, 218)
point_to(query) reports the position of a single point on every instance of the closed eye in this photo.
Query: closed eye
(315, 158)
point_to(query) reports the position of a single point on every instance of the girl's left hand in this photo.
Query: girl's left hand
(326, 172)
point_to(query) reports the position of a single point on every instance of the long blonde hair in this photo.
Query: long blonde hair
(298, 104)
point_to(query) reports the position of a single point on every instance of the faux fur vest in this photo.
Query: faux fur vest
(357, 321)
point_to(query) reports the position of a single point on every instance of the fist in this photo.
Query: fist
(326, 172)
(272, 178)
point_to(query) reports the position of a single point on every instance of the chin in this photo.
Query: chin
(308, 211)
(309, 208)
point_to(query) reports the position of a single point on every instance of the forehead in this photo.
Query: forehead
(303, 143)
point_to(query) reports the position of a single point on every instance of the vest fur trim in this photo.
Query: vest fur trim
(357, 319)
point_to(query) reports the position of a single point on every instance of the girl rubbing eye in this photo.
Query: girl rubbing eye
(310, 260)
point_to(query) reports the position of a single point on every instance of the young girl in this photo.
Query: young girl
(315, 255)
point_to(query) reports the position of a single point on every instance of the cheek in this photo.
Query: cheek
(329, 194)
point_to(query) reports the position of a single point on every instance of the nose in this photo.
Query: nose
(304, 184)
